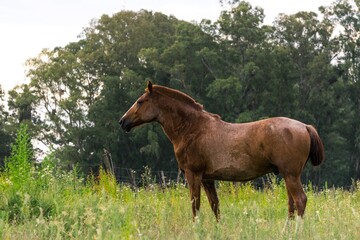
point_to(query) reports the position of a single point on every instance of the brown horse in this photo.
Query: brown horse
(209, 149)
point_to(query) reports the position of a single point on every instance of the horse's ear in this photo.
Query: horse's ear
(149, 86)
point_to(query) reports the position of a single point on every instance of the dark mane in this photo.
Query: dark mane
(182, 97)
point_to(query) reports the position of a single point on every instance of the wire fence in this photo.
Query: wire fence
(140, 177)
(135, 177)
(145, 176)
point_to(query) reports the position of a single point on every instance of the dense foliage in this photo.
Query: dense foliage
(305, 66)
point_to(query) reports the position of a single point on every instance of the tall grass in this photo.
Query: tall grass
(60, 205)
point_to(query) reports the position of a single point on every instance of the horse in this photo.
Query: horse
(208, 148)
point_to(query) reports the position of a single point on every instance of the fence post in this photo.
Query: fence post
(178, 176)
(163, 179)
(133, 178)
(107, 159)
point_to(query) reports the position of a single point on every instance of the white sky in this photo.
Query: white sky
(28, 26)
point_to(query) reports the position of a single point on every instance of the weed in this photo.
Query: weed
(18, 167)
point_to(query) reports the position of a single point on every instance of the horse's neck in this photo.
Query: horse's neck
(179, 122)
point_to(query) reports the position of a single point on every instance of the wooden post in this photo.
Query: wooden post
(178, 176)
(107, 159)
(163, 179)
(133, 178)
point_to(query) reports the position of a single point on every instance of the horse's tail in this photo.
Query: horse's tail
(316, 153)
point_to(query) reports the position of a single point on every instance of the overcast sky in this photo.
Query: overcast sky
(28, 26)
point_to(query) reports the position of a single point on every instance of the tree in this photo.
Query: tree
(242, 36)
(5, 135)
(21, 100)
(61, 92)
(346, 15)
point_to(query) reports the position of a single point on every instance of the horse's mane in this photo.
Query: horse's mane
(182, 97)
(175, 94)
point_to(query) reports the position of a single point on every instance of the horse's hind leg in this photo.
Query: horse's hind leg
(210, 190)
(291, 205)
(294, 187)
(291, 208)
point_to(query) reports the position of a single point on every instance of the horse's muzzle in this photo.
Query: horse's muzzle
(125, 124)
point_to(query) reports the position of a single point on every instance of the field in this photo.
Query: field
(45, 202)
(63, 206)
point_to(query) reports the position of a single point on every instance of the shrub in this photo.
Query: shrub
(18, 167)
(21, 197)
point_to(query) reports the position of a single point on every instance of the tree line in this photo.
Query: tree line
(304, 66)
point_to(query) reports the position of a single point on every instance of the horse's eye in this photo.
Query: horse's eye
(140, 102)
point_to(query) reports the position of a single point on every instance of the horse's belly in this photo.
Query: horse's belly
(234, 174)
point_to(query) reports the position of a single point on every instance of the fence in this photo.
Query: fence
(145, 176)
(141, 177)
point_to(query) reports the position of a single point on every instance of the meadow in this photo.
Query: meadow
(67, 207)
(45, 202)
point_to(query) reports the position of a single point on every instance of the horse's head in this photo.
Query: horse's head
(142, 111)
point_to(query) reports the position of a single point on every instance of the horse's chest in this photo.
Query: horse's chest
(189, 157)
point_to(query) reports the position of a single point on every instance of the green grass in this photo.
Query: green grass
(48, 203)
(95, 211)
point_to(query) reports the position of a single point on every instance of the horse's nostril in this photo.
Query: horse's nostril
(125, 124)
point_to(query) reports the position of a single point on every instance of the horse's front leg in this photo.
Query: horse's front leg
(194, 181)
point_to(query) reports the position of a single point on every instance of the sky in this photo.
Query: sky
(28, 26)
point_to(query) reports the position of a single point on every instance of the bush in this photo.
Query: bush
(18, 167)
(21, 197)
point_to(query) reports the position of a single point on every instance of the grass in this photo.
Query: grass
(54, 204)
(81, 211)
